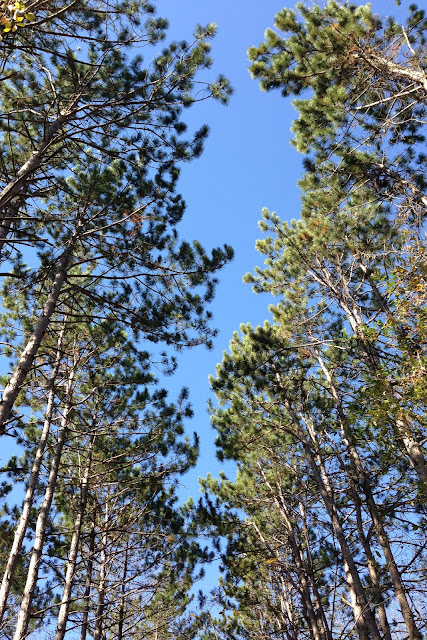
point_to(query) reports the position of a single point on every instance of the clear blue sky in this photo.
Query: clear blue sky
(248, 163)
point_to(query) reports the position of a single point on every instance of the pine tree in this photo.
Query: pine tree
(98, 292)
(94, 190)
(364, 191)
(325, 522)
(113, 453)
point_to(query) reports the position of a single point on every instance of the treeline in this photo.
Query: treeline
(322, 535)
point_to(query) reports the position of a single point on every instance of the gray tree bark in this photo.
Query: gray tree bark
(33, 569)
(25, 362)
(32, 483)
(64, 609)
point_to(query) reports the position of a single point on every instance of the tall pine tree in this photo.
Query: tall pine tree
(325, 523)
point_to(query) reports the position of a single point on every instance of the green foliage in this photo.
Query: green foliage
(323, 408)
(100, 290)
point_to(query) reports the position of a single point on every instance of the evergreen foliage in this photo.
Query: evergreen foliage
(322, 408)
(322, 534)
(98, 291)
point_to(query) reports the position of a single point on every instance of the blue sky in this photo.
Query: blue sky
(247, 164)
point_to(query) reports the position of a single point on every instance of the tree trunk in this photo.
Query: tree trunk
(398, 71)
(32, 483)
(88, 585)
(372, 568)
(298, 558)
(363, 480)
(123, 599)
(27, 357)
(319, 604)
(413, 449)
(99, 615)
(364, 618)
(33, 569)
(74, 548)
(25, 172)
(287, 607)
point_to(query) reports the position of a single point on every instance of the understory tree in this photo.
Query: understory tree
(323, 408)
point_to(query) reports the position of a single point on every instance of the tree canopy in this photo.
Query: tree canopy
(321, 535)
(322, 408)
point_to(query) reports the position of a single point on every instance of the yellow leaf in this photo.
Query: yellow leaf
(270, 561)
(30, 17)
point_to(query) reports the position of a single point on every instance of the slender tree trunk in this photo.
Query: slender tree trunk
(99, 615)
(24, 173)
(398, 588)
(88, 585)
(27, 357)
(363, 480)
(298, 558)
(32, 483)
(364, 618)
(33, 569)
(122, 608)
(398, 71)
(304, 586)
(74, 548)
(287, 607)
(413, 449)
(310, 568)
(372, 569)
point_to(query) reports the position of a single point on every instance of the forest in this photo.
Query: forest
(320, 533)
